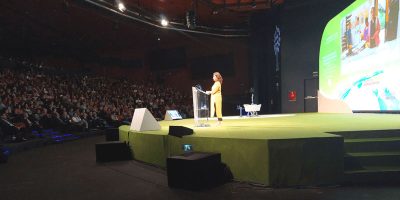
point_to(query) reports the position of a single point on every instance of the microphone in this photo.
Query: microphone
(198, 87)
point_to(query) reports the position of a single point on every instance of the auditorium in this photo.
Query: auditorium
(200, 99)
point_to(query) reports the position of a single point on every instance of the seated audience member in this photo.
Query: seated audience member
(65, 118)
(49, 98)
(45, 119)
(58, 122)
(27, 126)
(78, 122)
(11, 132)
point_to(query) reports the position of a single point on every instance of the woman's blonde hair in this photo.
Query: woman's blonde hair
(219, 77)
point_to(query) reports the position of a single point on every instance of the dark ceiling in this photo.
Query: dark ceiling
(90, 26)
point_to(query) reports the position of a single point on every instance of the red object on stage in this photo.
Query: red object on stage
(292, 96)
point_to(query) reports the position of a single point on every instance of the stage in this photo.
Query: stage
(274, 150)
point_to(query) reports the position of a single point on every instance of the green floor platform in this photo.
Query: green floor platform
(274, 150)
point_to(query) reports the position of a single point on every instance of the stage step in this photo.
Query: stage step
(369, 134)
(389, 144)
(364, 160)
(373, 175)
(371, 156)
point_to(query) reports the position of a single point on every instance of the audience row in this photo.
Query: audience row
(36, 98)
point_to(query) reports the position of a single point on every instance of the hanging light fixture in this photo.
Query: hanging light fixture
(120, 5)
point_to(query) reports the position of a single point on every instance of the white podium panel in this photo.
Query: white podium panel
(143, 120)
(200, 106)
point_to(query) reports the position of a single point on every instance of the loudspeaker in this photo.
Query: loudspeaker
(143, 120)
(112, 151)
(179, 131)
(194, 171)
(172, 115)
(112, 134)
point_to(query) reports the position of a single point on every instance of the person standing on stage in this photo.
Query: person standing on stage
(216, 97)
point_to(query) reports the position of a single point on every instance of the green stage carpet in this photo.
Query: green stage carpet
(276, 150)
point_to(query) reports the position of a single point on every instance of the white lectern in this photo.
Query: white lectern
(200, 106)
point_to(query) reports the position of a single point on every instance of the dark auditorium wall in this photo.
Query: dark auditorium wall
(195, 47)
(302, 28)
(234, 85)
(264, 71)
(235, 49)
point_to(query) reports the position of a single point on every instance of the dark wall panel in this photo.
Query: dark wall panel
(203, 67)
(302, 28)
(166, 59)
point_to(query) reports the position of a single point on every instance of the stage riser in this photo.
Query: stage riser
(373, 146)
(247, 159)
(360, 162)
(371, 156)
(351, 164)
(289, 162)
(308, 161)
(375, 178)
(242, 142)
(149, 148)
(369, 134)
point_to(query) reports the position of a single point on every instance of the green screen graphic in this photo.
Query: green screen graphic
(359, 59)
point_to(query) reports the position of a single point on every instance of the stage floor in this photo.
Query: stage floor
(278, 126)
(281, 149)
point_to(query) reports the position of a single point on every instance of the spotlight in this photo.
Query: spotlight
(164, 22)
(121, 6)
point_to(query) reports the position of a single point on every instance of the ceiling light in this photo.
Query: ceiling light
(164, 22)
(121, 7)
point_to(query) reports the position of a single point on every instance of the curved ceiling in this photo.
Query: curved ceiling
(73, 26)
(214, 13)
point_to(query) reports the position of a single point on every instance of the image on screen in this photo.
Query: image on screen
(174, 114)
(359, 60)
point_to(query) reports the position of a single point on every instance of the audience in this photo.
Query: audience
(36, 98)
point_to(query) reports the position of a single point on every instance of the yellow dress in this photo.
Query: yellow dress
(216, 100)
